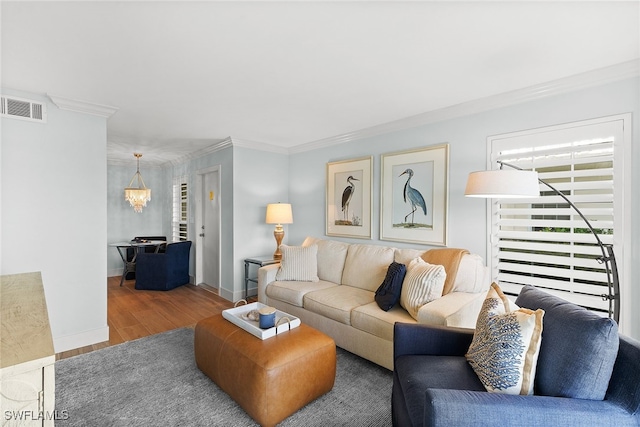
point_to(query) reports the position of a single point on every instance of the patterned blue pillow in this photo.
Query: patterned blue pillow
(505, 345)
(388, 294)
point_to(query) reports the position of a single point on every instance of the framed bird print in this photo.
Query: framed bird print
(348, 200)
(415, 196)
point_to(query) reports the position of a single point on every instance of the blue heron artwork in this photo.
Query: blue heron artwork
(412, 196)
(413, 206)
(350, 204)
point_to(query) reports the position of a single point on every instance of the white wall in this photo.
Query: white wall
(249, 180)
(259, 178)
(190, 168)
(467, 138)
(54, 217)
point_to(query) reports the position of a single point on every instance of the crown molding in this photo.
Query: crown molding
(217, 146)
(82, 106)
(220, 145)
(260, 146)
(588, 79)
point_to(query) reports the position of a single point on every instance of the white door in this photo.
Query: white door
(208, 225)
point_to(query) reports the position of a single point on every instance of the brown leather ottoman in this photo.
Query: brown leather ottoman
(270, 379)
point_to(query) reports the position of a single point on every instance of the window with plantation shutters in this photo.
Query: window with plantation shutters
(180, 209)
(543, 241)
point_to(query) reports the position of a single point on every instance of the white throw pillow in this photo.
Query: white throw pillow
(298, 263)
(505, 346)
(423, 283)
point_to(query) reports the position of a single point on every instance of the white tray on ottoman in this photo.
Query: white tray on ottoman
(237, 317)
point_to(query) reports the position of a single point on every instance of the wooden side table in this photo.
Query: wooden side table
(259, 261)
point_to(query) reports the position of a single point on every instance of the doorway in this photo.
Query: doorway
(208, 225)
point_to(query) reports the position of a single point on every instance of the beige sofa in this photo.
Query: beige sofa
(342, 305)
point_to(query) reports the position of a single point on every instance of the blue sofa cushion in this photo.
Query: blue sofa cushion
(388, 294)
(417, 373)
(578, 349)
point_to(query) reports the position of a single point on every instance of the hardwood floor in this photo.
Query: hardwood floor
(133, 314)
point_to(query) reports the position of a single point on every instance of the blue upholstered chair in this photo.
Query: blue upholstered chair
(164, 271)
(131, 251)
(587, 374)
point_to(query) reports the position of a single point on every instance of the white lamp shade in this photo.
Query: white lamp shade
(279, 213)
(503, 184)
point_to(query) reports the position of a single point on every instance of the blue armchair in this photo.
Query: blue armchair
(130, 275)
(164, 271)
(433, 385)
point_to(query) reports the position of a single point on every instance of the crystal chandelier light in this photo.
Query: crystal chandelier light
(140, 195)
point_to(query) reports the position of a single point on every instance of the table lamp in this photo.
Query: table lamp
(279, 213)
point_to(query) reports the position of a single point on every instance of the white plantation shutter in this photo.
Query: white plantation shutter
(180, 209)
(543, 241)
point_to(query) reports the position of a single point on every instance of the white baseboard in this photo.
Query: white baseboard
(115, 272)
(82, 339)
(227, 294)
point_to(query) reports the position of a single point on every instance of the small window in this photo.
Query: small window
(180, 209)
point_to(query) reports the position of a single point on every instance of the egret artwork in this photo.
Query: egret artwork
(347, 196)
(412, 197)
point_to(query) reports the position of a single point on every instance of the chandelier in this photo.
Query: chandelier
(140, 195)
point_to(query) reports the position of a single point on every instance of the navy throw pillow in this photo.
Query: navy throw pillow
(388, 294)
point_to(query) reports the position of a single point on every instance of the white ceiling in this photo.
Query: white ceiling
(185, 75)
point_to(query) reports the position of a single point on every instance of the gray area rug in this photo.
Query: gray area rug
(154, 381)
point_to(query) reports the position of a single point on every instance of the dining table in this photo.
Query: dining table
(130, 265)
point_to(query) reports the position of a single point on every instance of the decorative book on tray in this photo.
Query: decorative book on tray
(241, 316)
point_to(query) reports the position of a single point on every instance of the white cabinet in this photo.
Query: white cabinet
(27, 358)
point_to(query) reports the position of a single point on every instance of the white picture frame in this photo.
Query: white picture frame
(354, 219)
(408, 219)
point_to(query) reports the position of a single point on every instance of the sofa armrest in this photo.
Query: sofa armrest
(417, 339)
(456, 309)
(266, 275)
(445, 407)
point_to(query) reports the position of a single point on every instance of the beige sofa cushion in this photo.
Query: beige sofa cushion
(370, 318)
(473, 275)
(337, 302)
(404, 256)
(293, 292)
(331, 258)
(366, 266)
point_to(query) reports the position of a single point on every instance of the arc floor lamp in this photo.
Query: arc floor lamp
(503, 183)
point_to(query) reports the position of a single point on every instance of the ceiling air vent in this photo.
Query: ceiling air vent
(23, 109)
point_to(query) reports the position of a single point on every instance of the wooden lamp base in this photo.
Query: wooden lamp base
(279, 235)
